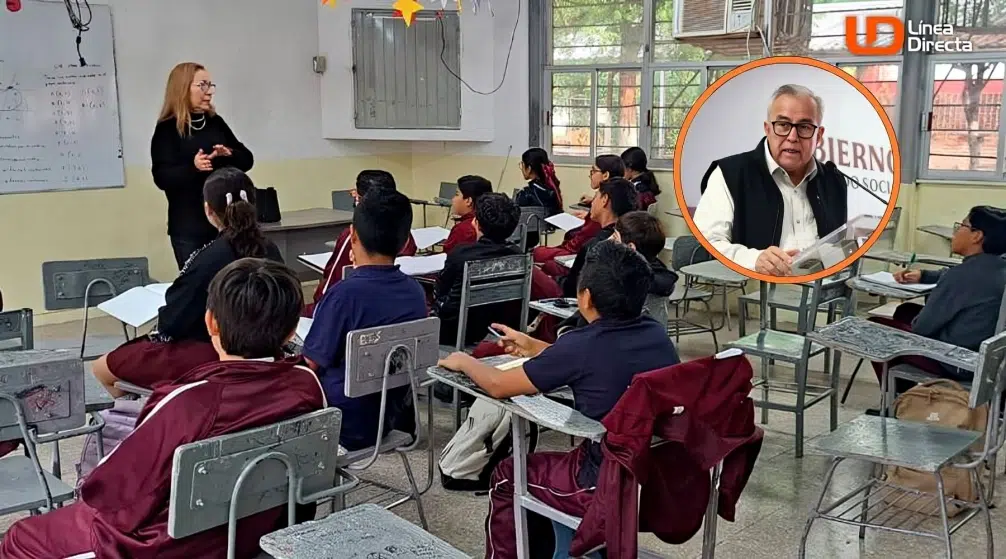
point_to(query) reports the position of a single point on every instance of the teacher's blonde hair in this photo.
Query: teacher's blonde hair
(178, 96)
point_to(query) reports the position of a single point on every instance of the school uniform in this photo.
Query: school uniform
(447, 294)
(123, 505)
(181, 341)
(597, 362)
(568, 283)
(174, 170)
(663, 284)
(538, 194)
(371, 296)
(463, 233)
(337, 263)
(572, 242)
(644, 192)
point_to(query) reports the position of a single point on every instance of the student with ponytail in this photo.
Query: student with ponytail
(542, 188)
(642, 178)
(181, 342)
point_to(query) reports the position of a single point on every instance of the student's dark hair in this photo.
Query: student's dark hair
(642, 230)
(498, 216)
(635, 158)
(474, 186)
(370, 180)
(537, 160)
(382, 220)
(256, 304)
(621, 194)
(230, 193)
(619, 280)
(611, 164)
(992, 222)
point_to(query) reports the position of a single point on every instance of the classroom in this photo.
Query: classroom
(495, 278)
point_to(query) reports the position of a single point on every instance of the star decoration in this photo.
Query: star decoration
(407, 9)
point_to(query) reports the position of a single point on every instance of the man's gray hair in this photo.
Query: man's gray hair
(794, 90)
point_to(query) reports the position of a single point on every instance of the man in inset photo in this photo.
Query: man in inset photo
(760, 208)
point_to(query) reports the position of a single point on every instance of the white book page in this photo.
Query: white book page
(303, 328)
(159, 288)
(135, 307)
(421, 265)
(564, 221)
(317, 261)
(887, 278)
(429, 236)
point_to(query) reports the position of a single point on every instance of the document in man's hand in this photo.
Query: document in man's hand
(566, 222)
(887, 279)
(138, 306)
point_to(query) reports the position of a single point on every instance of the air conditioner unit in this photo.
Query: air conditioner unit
(705, 18)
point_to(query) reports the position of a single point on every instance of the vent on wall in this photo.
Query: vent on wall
(401, 76)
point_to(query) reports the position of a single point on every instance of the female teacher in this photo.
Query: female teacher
(190, 141)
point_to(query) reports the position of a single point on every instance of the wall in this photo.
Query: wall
(260, 55)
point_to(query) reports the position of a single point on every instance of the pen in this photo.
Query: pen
(911, 261)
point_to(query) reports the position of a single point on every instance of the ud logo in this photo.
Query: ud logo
(873, 24)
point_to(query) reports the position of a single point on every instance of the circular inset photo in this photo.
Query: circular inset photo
(792, 168)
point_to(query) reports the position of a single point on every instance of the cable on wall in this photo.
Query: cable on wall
(506, 66)
(80, 19)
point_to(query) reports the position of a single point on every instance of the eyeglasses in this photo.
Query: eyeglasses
(958, 225)
(804, 130)
(206, 87)
(593, 171)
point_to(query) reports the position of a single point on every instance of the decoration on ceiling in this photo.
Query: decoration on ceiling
(407, 10)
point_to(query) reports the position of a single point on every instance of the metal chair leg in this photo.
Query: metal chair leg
(764, 390)
(848, 387)
(416, 496)
(817, 508)
(984, 503)
(801, 396)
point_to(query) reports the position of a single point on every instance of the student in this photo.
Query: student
(366, 182)
(605, 167)
(181, 340)
(377, 293)
(470, 188)
(642, 178)
(542, 188)
(614, 198)
(597, 362)
(963, 308)
(496, 218)
(252, 311)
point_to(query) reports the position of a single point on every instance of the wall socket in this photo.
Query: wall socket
(319, 64)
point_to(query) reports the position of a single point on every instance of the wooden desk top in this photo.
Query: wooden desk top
(309, 219)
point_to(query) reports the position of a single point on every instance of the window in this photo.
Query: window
(882, 81)
(618, 106)
(964, 132)
(674, 92)
(983, 22)
(597, 31)
(820, 30)
(572, 109)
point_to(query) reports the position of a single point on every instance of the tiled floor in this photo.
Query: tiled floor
(772, 510)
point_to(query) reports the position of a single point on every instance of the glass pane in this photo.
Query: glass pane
(967, 98)
(717, 73)
(597, 31)
(983, 22)
(674, 93)
(882, 81)
(820, 30)
(618, 110)
(666, 47)
(571, 114)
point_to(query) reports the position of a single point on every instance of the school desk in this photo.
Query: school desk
(902, 258)
(719, 278)
(306, 232)
(549, 307)
(941, 231)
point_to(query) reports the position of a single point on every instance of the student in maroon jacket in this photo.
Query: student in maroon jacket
(181, 341)
(123, 508)
(366, 182)
(641, 177)
(597, 362)
(470, 188)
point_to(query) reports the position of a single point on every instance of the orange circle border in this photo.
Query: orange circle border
(834, 70)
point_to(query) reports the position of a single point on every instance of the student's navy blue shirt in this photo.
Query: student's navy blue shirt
(370, 296)
(598, 362)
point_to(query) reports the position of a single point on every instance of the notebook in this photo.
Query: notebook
(421, 265)
(138, 306)
(303, 328)
(564, 221)
(887, 279)
(429, 236)
(315, 261)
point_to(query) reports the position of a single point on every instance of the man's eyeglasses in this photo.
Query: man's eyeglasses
(958, 225)
(804, 130)
(206, 87)
(593, 170)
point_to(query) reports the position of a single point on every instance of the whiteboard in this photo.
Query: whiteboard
(59, 122)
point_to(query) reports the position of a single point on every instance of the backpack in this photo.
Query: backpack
(119, 423)
(267, 205)
(937, 402)
(482, 442)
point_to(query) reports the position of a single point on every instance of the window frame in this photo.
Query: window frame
(647, 69)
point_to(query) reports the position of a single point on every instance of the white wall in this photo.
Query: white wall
(731, 119)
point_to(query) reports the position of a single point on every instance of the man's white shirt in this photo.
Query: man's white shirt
(714, 215)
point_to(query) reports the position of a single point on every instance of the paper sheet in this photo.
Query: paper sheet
(160, 288)
(303, 328)
(421, 265)
(135, 307)
(565, 221)
(887, 278)
(315, 261)
(429, 236)
(566, 261)
(546, 412)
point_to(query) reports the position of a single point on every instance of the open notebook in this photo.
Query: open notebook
(565, 221)
(411, 265)
(429, 236)
(887, 279)
(138, 306)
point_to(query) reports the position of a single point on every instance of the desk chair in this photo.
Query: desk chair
(380, 359)
(772, 345)
(688, 251)
(491, 282)
(17, 325)
(886, 442)
(343, 200)
(41, 401)
(221, 480)
(791, 297)
(532, 220)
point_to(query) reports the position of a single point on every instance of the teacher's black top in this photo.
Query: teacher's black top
(174, 169)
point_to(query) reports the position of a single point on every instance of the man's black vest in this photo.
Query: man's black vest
(758, 204)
